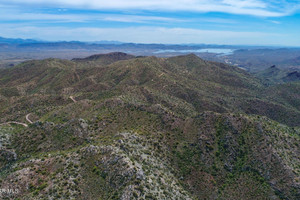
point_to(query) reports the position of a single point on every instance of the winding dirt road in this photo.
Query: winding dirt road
(27, 118)
(72, 98)
(20, 123)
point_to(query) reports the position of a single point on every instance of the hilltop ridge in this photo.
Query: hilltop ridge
(106, 58)
(116, 126)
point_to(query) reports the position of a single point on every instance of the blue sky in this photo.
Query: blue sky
(250, 22)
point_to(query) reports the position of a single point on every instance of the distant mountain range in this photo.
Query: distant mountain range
(71, 44)
(27, 41)
(250, 58)
(17, 41)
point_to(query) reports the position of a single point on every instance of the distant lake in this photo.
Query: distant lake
(217, 51)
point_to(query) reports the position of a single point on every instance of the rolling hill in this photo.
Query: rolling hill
(274, 75)
(116, 126)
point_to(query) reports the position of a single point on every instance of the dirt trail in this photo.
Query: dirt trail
(27, 118)
(72, 98)
(20, 123)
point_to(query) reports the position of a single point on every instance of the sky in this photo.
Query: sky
(236, 22)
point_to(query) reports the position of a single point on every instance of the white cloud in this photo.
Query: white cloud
(218, 20)
(137, 18)
(9, 14)
(245, 4)
(275, 22)
(147, 35)
(248, 7)
(39, 16)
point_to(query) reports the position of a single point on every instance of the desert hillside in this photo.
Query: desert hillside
(116, 126)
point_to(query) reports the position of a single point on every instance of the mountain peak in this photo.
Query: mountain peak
(189, 60)
(106, 58)
(114, 55)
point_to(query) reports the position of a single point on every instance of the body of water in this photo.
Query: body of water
(217, 51)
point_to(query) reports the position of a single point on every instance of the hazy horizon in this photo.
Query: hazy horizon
(181, 44)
